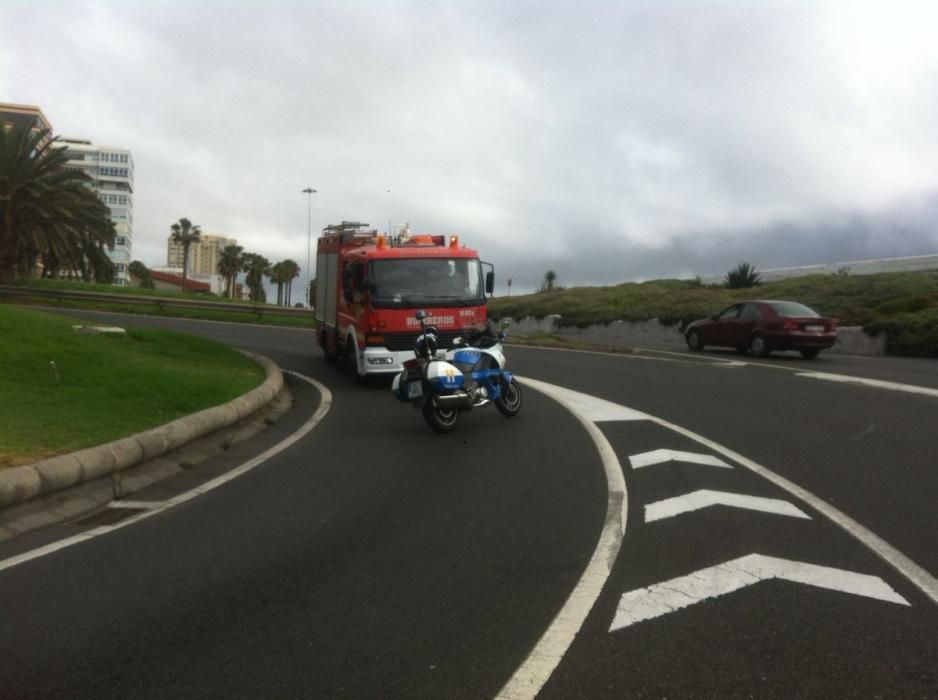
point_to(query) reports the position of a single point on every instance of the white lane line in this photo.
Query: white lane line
(533, 673)
(591, 408)
(704, 498)
(874, 383)
(799, 372)
(663, 456)
(669, 596)
(626, 354)
(324, 406)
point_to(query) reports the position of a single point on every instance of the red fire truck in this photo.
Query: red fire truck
(369, 286)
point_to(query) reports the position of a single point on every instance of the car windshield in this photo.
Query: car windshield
(793, 309)
(411, 282)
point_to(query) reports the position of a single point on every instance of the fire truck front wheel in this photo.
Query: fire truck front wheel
(351, 358)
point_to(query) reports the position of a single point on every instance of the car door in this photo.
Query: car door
(721, 329)
(741, 328)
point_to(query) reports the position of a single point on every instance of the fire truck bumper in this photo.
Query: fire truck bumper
(383, 361)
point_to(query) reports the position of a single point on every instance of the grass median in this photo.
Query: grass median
(155, 302)
(102, 387)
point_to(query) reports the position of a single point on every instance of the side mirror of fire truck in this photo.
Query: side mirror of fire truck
(490, 282)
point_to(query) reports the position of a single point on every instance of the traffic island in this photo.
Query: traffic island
(67, 486)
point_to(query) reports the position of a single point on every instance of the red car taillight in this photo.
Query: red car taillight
(790, 325)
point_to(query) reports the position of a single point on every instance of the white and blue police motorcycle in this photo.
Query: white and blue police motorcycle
(471, 375)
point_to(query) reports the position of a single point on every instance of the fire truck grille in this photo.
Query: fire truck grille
(405, 341)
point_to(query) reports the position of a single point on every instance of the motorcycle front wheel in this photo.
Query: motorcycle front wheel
(442, 420)
(509, 400)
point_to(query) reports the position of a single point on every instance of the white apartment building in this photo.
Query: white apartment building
(111, 170)
(203, 256)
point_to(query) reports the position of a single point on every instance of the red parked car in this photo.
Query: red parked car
(760, 327)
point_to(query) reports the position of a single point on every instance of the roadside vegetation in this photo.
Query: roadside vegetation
(904, 304)
(154, 309)
(100, 387)
(48, 215)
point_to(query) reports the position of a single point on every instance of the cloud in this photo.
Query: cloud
(606, 141)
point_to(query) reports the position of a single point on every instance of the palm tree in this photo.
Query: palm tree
(550, 277)
(185, 234)
(255, 267)
(276, 274)
(291, 272)
(742, 276)
(229, 265)
(47, 212)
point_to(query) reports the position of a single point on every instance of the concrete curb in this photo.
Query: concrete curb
(21, 484)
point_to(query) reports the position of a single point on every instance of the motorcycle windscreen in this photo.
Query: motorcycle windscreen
(443, 376)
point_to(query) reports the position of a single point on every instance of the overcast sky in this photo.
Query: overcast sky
(608, 141)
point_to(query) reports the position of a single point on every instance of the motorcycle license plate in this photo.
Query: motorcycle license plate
(814, 328)
(414, 389)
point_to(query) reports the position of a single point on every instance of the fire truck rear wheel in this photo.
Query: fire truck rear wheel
(330, 356)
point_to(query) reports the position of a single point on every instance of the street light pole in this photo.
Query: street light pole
(309, 191)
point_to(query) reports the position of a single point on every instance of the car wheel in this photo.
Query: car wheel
(810, 353)
(758, 346)
(694, 341)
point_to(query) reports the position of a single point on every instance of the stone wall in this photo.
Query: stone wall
(851, 340)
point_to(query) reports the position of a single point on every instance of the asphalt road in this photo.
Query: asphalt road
(376, 559)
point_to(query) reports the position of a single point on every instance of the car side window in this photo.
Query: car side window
(751, 311)
(730, 313)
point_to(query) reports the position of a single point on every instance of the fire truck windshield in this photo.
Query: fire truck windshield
(411, 282)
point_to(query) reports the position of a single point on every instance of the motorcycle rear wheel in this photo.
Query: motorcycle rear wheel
(509, 400)
(442, 420)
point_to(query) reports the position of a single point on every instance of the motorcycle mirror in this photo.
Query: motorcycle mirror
(421, 314)
(457, 340)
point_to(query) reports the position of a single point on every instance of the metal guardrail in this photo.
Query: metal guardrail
(259, 310)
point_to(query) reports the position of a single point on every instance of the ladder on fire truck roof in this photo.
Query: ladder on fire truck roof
(349, 229)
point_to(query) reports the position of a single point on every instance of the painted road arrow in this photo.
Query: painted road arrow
(662, 598)
(704, 498)
(647, 459)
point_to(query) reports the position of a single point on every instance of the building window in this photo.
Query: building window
(120, 240)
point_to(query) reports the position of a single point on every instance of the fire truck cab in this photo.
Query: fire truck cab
(369, 286)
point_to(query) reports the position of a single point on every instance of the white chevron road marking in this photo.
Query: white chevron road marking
(647, 459)
(704, 498)
(663, 598)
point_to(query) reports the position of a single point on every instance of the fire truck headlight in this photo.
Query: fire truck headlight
(380, 360)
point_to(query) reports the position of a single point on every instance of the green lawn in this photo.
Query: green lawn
(109, 387)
